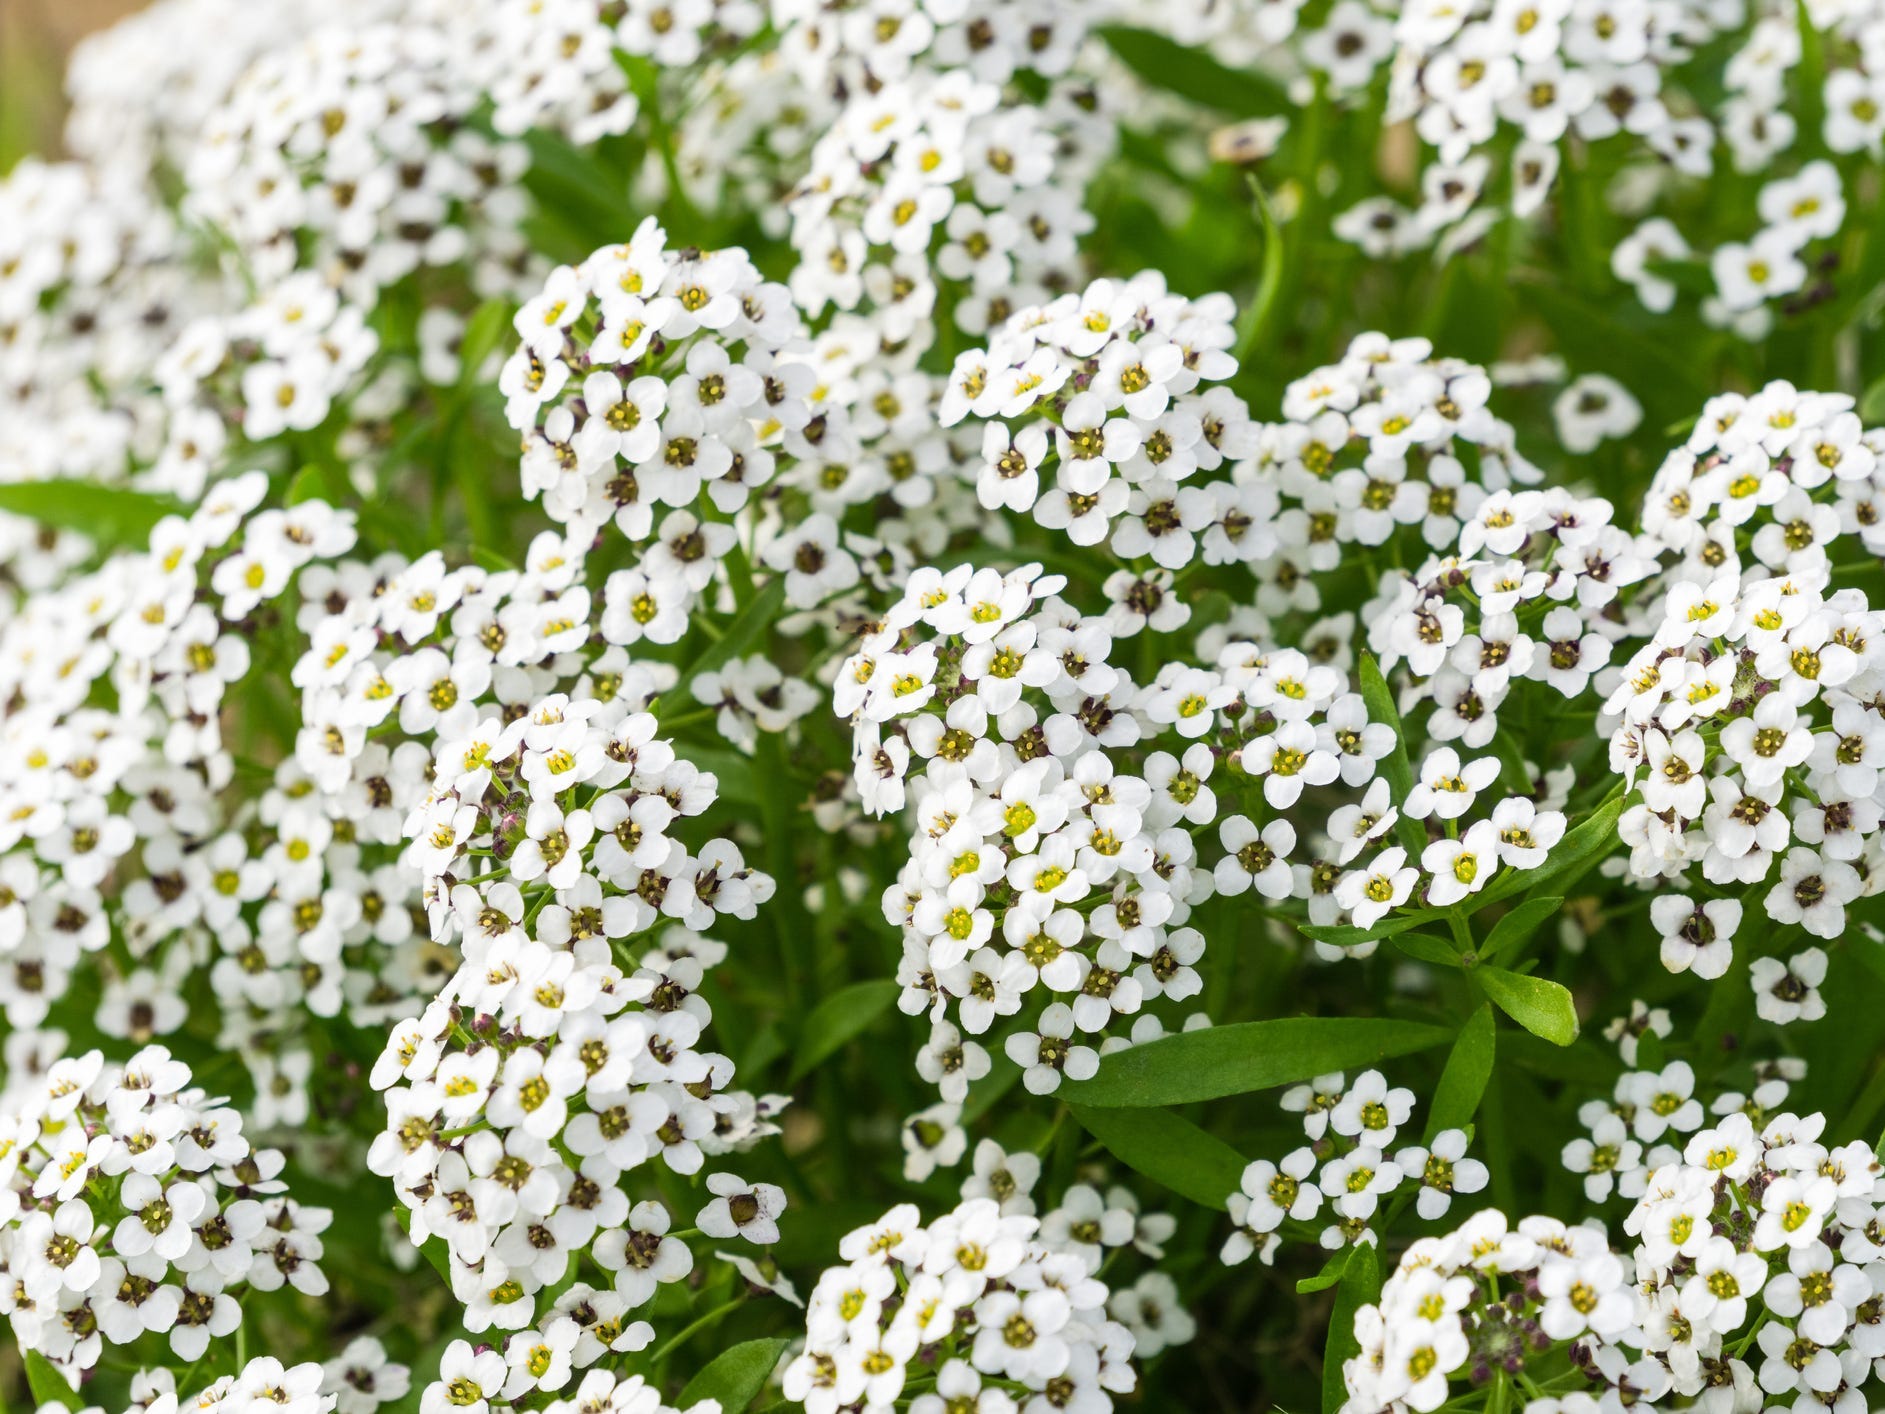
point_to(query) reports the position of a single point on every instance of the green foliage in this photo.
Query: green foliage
(1468, 1068)
(838, 1019)
(1360, 1285)
(48, 1385)
(1541, 1006)
(1379, 700)
(1247, 1055)
(741, 636)
(111, 517)
(1194, 74)
(736, 1375)
(1168, 1149)
(1515, 929)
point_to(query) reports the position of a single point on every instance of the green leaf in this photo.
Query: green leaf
(1427, 948)
(1269, 278)
(1251, 1055)
(1361, 1285)
(433, 1248)
(48, 1385)
(1347, 935)
(732, 771)
(308, 484)
(1578, 852)
(488, 327)
(746, 629)
(1330, 1274)
(1538, 1004)
(838, 1018)
(1463, 1082)
(1692, 277)
(1194, 74)
(735, 1375)
(111, 517)
(1512, 932)
(1872, 405)
(1591, 336)
(1378, 698)
(1168, 1149)
(587, 200)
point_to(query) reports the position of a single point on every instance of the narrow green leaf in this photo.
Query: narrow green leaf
(111, 517)
(1330, 1274)
(781, 803)
(1003, 1075)
(1514, 930)
(488, 327)
(747, 628)
(433, 1248)
(1808, 79)
(1347, 935)
(1361, 1285)
(1872, 405)
(1378, 698)
(573, 184)
(1463, 1082)
(1168, 65)
(1269, 277)
(1168, 1149)
(1250, 1055)
(307, 484)
(1427, 948)
(48, 1385)
(1538, 1004)
(1870, 952)
(733, 771)
(838, 1018)
(736, 1375)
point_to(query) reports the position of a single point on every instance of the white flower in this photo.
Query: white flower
(1446, 788)
(1368, 894)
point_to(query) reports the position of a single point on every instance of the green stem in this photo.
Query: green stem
(696, 1327)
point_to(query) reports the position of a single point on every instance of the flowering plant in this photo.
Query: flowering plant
(969, 706)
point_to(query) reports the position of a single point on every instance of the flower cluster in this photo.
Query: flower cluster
(1032, 822)
(977, 1297)
(1749, 712)
(350, 155)
(116, 682)
(942, 164)
(1481, 1300)
(1351, 1129)
(1643, 1124)
(545, 1068)
(476, 1379)
(272, 369)
(92, 292)
(564, 561)
(1104, 389)
(261, 1386)
(1754, 1273)
(647, 379)
(136, 1207)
